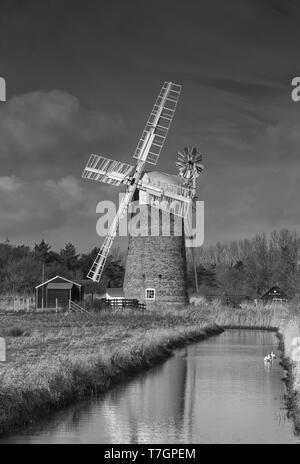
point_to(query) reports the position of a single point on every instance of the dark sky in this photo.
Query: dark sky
(82, 77)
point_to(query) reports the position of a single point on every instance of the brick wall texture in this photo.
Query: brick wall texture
(157, 262)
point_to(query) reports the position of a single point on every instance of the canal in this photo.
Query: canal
(216, 391)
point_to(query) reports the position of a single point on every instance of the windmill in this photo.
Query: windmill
(190, 166)
(148, 150)
(156, 267)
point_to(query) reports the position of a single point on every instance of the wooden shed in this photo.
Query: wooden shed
(57, 292)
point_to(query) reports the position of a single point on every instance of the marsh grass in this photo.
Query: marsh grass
(290, 332)
(67, 357)
(253, 316)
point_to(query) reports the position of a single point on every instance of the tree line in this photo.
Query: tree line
(22, 268)
(251, 266)
(246, 267)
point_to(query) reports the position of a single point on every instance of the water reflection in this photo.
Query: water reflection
(217, 391)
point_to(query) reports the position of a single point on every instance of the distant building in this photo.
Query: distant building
(57, 292)
(273, 295)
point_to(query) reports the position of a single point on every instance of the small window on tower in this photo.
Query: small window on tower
(150, 294)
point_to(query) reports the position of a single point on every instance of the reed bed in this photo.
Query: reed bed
(251, 316)
(290, 332)
(55, 359)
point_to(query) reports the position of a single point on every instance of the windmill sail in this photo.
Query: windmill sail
(175, 199)
(96, 270)
(106, 170)
(158, 124)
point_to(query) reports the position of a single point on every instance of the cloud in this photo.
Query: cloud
(9, 184)
(37, 206)
(246, 88)
(235, 60)
(42, 131)
(66, 191)
(46, 138)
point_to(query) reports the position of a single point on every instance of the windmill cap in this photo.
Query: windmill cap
(163, 177)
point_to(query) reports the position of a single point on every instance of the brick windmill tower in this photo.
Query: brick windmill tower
(156, 267)
(156, 260)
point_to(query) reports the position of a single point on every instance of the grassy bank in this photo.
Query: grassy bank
(290, 333)
(54, 359)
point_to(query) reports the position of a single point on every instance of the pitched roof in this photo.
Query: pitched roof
(274, 291)
(60, 285)
(58, 277)
(163, 177)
